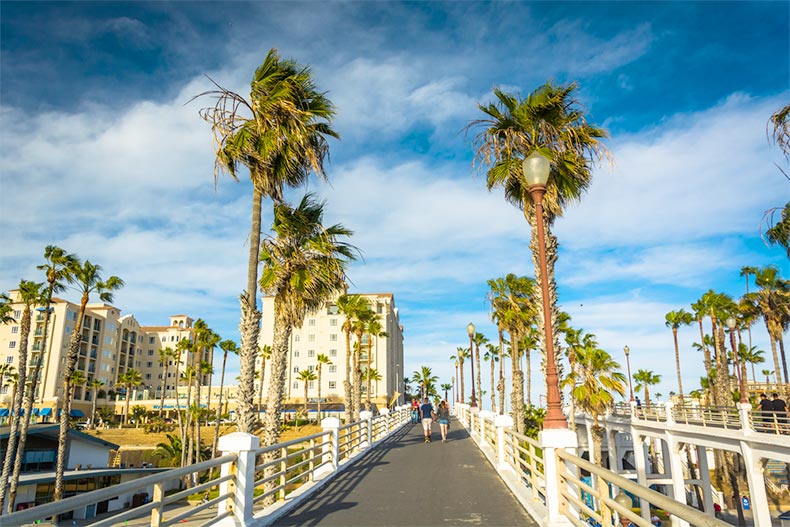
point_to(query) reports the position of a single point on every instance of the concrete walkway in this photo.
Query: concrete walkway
(405, 482)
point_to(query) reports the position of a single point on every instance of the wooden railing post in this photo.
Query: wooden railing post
(552, 440)
(158, 513)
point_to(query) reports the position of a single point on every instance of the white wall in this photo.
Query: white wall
(87, 453)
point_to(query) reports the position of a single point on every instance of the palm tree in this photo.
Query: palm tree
(165, 354)
(359, 327)
(446, 388)
(425, 378)
(265, 352)
(306, 376)
(77, 379)
(772, 302)
(747, 271)
(550, 121)
(350, 306)
(128, 380)
(478, 339)
(281, 140)
(492, 355)
(30, 294)
(227, 346)
(303, 267)
(462, 354)
(94, 385)
(371, 375)
(374, 330)
(767, 374)
(86, 278)
(170, 452)
(321, 360)
(6, 370)
(512, 301)
(675, 319)
(751, 356)
(645, 379)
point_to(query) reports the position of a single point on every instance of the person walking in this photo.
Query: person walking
(444, 419)
(766, 412)
(779, 408)
(427, 414)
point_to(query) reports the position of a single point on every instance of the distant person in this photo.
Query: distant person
(415, 412)
(427, 414)
(443, 415)
(766, 410)
(779, 408)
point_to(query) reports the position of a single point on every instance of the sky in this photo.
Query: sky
(103, 153)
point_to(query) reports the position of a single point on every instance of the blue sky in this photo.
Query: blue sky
(100, 154)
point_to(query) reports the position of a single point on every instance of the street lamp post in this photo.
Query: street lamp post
(470, 329)
(627, 351)
(536, 173)
(741, 384)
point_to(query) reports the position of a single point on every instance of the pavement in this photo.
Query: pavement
(406, 482)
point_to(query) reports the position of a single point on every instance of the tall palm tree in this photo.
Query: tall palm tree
(165, 354)
(280, 136)
(700, 311)
(303, 267)
(371, 375)
(479, 339)
(751, 356)
(746, 272)
(645, 379)
(227, 346)
(94, 385)
(454, 358)
(321, 360)
(87, 280)
(77, 379)
(129, 379)
(512, 301)
(492, 355)
(374, 330)
(767, 374)
(183, 348)
(446, 387)
(265, 352)
(675, 319)
(360, 325)
(306, 376)
(462, 354)
(772, 302)
(425, 378)
(30, 295)
(350, 306)
(550, 121)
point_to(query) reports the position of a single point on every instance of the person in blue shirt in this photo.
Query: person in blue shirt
(427, 415)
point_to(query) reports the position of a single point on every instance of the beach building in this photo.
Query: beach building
(322, 333)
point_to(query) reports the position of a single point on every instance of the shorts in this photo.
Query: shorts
(444, 421)
(426, 424)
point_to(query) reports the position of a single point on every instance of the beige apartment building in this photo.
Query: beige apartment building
(322, 333)
(111, 344)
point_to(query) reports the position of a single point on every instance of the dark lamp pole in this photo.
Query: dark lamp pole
(470, 329)
(731, 323)
(627, 351)
(536, 173)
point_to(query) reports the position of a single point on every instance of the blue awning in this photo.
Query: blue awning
(46, 411)
(4, 412)
(35, 411)
(77, 413)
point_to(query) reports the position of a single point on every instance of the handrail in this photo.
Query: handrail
(47, 510)
(690, 514)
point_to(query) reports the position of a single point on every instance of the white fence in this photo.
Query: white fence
(290, 472)
(557, 486)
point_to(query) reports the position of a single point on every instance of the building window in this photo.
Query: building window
(15, 329)
(149, 364)
(332, 385)
(310, 384)
(311, 353)
(17, 313)
(148, 376)
(311, 337)
(296, 353)
(297, 338)
(296, 369)
(9, 359)
(151, 340)
(311, 368)
(333, 322)
(311, 322)
(379, 308)
(333, 337)
(332, 368)
(12, 344)
(331, 309)
(333, 352)
(295, 385)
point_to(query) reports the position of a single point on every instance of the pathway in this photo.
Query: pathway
(405, 482)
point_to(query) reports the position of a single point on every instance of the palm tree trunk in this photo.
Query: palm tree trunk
(356, 386)
(93, 408)
(461, 367)
(16, 409)
(477, 377)
(517, 385)
(71, 363)
(274, 399)
(493, 389)
(260, 387)
(677, 361)
(348, 406)
(164, 388)
(501, 383)
(528, 358)
(319, 394)
(250, 324)
(219, 407)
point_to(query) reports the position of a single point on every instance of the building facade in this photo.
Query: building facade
(322, 333)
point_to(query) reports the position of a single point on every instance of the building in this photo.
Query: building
(322, 333)
(111, 344)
